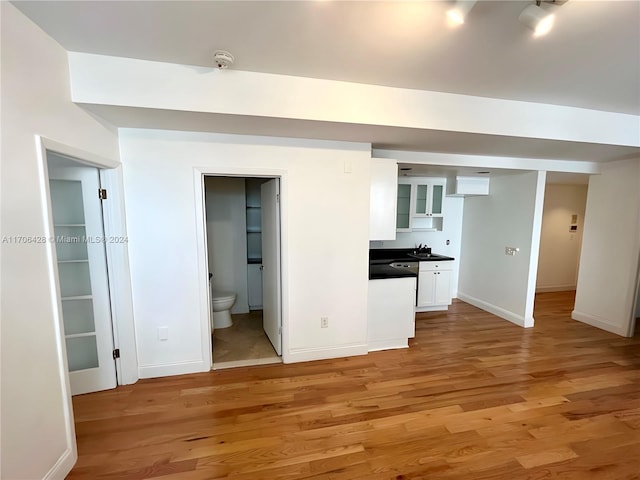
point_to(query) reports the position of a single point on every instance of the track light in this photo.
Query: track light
(537, 19)
(460, 10)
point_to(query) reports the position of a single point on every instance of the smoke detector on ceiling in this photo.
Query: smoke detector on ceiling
(222, 59)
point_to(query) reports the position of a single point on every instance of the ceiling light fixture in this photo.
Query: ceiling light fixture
(459, 11)
(537, 19)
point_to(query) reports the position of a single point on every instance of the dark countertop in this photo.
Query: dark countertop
(389, 255)
(380, 260)
(378, 272)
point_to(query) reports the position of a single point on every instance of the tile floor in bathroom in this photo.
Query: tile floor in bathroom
(244, 340)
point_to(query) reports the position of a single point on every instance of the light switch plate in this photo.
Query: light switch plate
(163, 333)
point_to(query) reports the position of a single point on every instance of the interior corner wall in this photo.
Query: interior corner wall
(560, 247)
(227, 237)
(607, 280)
(489, 279)
(325, 238)
(38, 439)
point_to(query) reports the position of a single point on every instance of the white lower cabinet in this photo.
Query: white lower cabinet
(254, 285)
(434, 284)
(391, 316)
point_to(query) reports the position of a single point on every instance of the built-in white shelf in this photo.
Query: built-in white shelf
(80, 335)
(78, 297)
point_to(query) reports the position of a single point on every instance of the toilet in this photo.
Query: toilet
(221, 303)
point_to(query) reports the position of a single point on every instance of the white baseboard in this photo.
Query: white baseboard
(599, 322)
(497, 311)
(309, 354)
(394, 343)
(555, 288)
(434, 308)
(166, 370)
(63, 466)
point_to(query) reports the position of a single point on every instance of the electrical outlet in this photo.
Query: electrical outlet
(324, 322)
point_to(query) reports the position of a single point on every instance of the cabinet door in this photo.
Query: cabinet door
(384, 195)
(426, 288)
(429, 195)
(254, 286)
(422, 199)
(437, 193)
(403, 216)
(442, 290)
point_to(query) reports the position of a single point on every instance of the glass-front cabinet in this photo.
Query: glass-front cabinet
(403, 216)
(429, 195)
(420, 203)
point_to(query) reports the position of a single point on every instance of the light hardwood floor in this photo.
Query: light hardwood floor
(473, 398)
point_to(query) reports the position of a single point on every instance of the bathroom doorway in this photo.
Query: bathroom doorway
(243, 249)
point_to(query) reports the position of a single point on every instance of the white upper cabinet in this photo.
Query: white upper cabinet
(460, 186)
(384, 195)
(429, 194)
(420, 203)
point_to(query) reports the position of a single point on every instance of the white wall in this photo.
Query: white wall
(607, 280)
(559, 247)
(510, 216)
(452, 208)
(325, 216)
(227, 237)
(37, 422)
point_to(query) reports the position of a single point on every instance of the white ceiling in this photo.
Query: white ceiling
(591, 58)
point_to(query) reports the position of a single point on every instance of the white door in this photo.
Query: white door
(82, 276)
(271, 302)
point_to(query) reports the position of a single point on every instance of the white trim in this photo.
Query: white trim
(599, 322)
(77, 155)
(308, 354)
(377, 345)
(114, 218)
(432, 308)
(63, 466)
(69, 457)
(494, 309)
(170, 369)
(202, 254)
(556, 288)
(536, 233)
(117, 255)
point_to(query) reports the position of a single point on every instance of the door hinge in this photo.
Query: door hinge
(102, 193)
(116, 353)
(279, 330)
(277, 198)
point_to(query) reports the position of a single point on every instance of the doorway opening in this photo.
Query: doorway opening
(80, 265)
(242, 217)
(561, 241)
